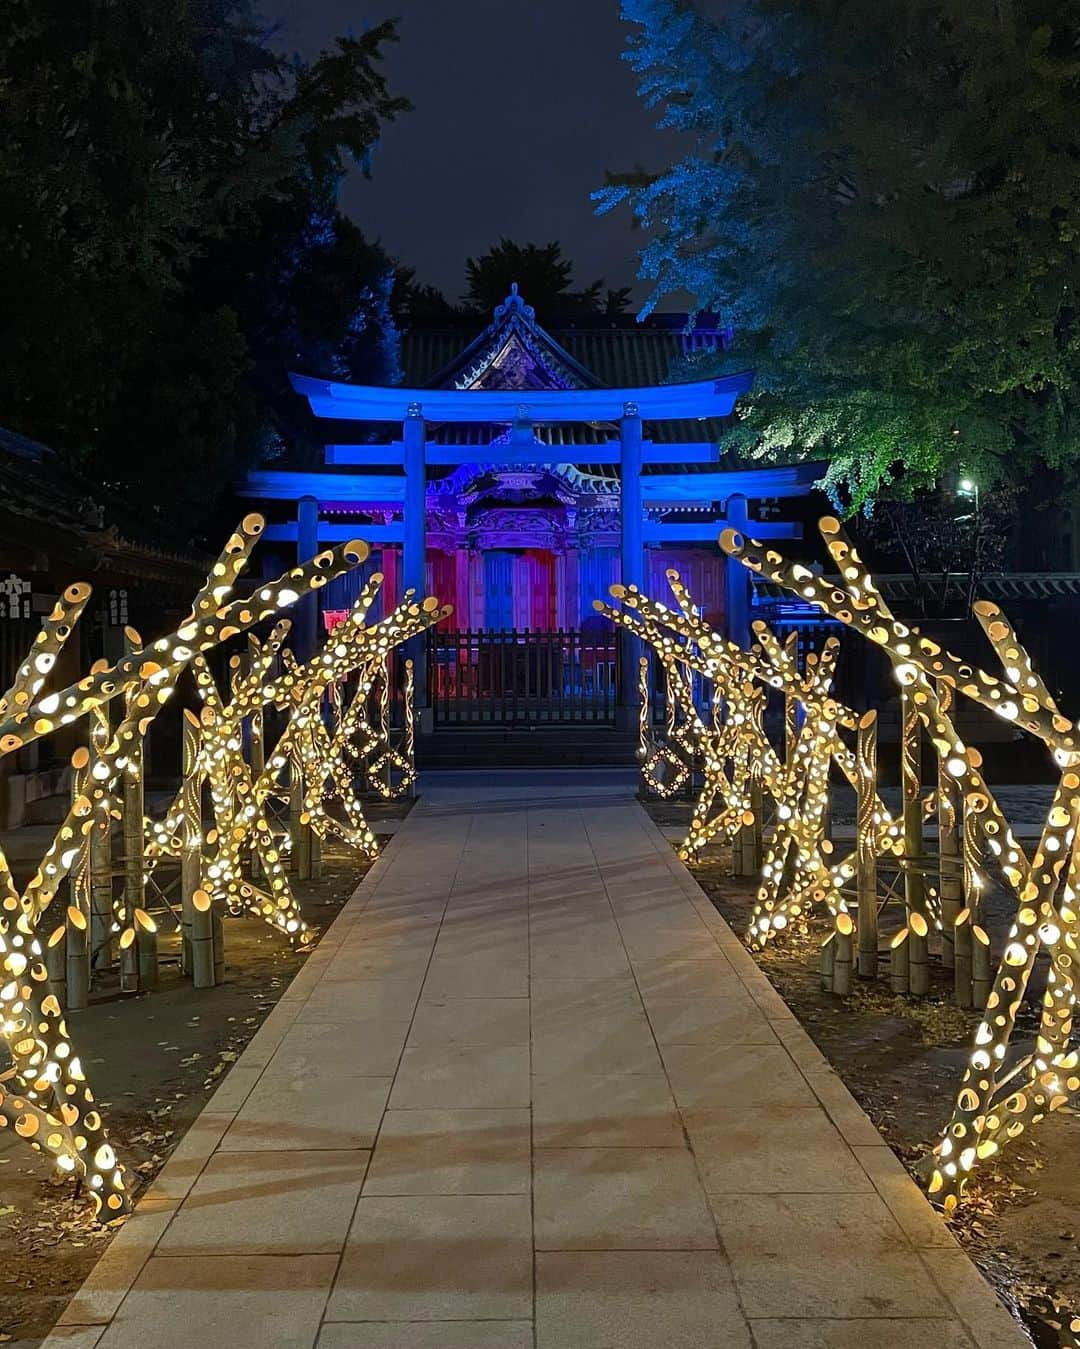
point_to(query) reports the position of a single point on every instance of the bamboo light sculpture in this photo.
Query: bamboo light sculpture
(1000, 1096)
(44, 1095)
(318, 760)
(740, 766)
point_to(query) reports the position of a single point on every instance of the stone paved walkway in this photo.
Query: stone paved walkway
(531, 1091)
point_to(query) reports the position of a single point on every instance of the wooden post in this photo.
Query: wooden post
(78, 914)
(914, 886)
(102, 944)
(866, 843)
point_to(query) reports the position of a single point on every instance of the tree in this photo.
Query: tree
(883, 203)
(543, 276)
(164, 178)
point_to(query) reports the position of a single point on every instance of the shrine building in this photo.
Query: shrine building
(517, 474)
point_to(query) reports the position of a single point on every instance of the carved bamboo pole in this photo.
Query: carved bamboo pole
(963, 930)
(299, 828)
(408, 712)
(914, 887)
(134, 806)
(828, 962)
(898, 961)
(791, 701)
(845, 931)
(866, 843)
(191, 838)
(78, 914)
(56, 964)
(384, 732)
(202, 941)
(950, 876)
(102, 944)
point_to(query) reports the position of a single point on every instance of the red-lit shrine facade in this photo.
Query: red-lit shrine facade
(519, 474)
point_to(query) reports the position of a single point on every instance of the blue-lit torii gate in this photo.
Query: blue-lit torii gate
(415, 410)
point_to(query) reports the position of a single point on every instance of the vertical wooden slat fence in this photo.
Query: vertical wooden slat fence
(513, 676)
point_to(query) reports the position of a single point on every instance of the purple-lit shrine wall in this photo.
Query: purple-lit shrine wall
(545, 468)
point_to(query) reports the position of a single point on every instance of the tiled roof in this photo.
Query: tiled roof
(49, 513)
(619, 354)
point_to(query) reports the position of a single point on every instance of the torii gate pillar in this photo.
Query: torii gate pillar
(737, 578)
(632, 535)
(414, 543)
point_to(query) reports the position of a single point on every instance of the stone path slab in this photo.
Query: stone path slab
(531, 1092)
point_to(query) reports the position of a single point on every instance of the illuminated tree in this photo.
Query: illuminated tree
(883, 206)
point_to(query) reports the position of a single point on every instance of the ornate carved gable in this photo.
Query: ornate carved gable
(514, 352)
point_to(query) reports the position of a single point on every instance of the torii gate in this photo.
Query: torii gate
(523, 411)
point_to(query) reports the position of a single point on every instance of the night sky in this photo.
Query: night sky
(520, 106)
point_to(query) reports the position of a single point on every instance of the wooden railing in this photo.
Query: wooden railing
(508, 676)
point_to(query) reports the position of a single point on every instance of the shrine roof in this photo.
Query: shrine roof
(572, 382)
(614, 353)
(60, 520)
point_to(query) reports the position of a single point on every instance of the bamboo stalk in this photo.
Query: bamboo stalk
(78, 914)
(134, 843)
(914, 883)
(146, 951)
(866, 844)
(791, 702)
(962, 954)
(982, 976)
(408, 705)
(845, 930)
(898, 962)
(191, 845)
(56, 964)
(949, 811)
(828, 962)
(202, 941)
(299, 829)
(102, 943)
(217, 927)
(918, 971)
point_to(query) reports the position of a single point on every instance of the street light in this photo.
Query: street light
(968, 487)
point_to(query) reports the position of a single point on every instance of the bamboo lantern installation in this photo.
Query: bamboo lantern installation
(1001, 1095)
(44, 1096)
(1003, 1092)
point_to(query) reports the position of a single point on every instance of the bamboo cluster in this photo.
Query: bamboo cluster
(46, 967)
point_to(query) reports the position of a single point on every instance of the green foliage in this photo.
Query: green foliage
(883, 202)
(168, 231)
(544, 277)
